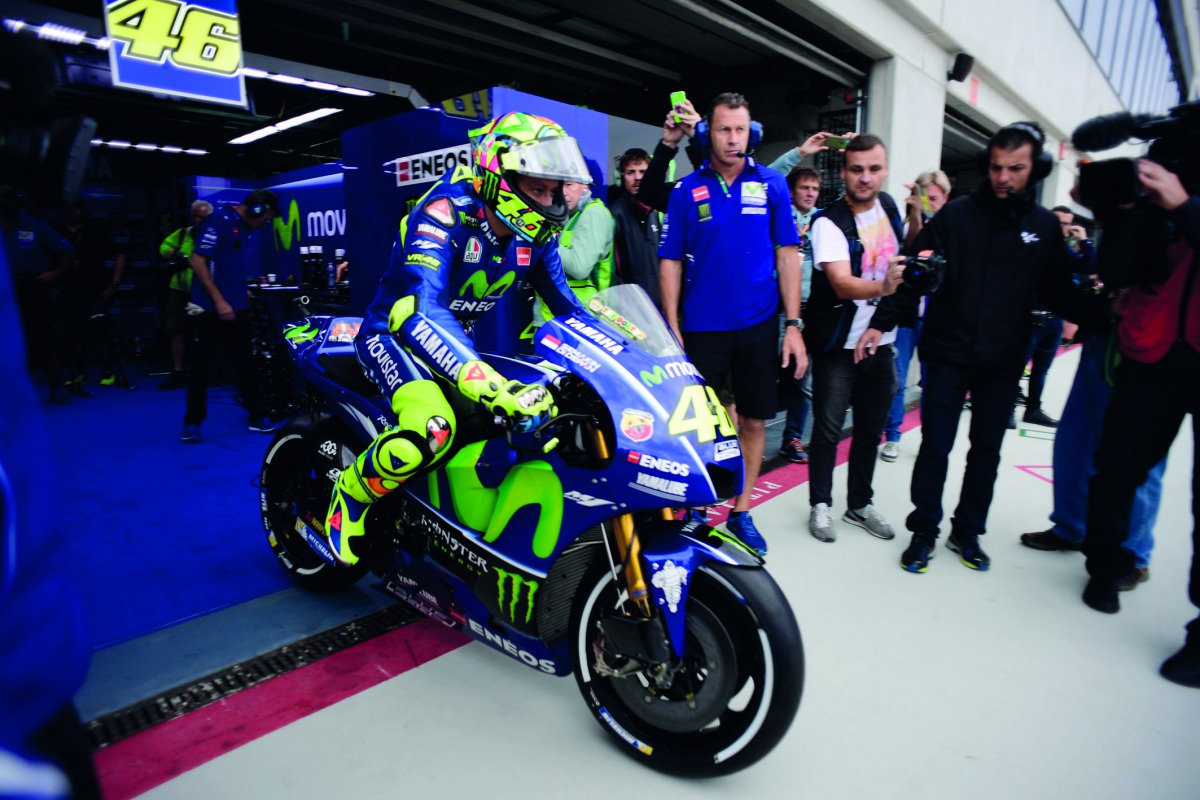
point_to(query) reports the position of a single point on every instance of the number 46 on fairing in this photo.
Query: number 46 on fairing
(190, 36)
(699, 411)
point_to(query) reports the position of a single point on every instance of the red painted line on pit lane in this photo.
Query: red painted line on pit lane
(1035, 472)
(790, 476)
(148, 759)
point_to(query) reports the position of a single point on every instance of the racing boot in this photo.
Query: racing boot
(419, 438)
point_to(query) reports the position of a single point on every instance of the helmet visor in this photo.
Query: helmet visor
(557, 159)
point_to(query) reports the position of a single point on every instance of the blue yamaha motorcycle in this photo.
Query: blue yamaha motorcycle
(557, 545)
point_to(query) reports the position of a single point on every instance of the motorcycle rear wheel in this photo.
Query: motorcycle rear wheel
(736, 693)
(297, 482)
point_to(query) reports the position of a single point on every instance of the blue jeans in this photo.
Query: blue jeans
(798, 394)
(1043, 346)
(1074, 446)
(906, 345)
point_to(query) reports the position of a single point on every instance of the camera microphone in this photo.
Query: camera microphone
(1107, 131)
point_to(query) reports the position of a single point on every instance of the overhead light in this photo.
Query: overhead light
(53, 32)
(356, 92)
(292, 79)
(250, 72)
(147, 147)
(283, 125)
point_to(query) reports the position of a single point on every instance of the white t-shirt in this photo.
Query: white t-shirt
(879, 245)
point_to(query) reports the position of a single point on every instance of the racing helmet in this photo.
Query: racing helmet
(524, 144)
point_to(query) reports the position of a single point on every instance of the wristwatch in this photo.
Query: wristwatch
(797, 323)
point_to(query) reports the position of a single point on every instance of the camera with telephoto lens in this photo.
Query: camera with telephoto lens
(923, 272)
(1105, 185)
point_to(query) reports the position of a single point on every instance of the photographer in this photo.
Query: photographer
(1150, 247)
(1001, 248)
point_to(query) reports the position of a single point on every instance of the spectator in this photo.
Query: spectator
(655, 189)
(177, 249)
(1151, 248)
(1001, 248)
(226, 257)
(927, 194)
(856, 246)
(86, 291)
(38, 257)
(585, 247)
(804, 185)
(637, 226)
(1075, 444)
(734, 211)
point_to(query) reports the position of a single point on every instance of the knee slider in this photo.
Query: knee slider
(423, 411)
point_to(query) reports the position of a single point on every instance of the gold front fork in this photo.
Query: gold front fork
(629, 547)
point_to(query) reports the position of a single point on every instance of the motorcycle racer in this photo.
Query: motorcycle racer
(471, 237)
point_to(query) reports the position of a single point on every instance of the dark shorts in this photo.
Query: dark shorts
(175, 312)
(748, 358)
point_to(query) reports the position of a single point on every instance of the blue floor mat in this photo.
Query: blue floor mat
(159, 531)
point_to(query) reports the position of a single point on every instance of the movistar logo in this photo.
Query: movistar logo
(478, 284)
(300, 333)
(502, 583)
(674, 369)
(286, 229)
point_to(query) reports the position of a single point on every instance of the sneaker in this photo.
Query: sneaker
(920, 550)
(76, 387)
(969, 551)
(742, 526)
(1048, 540)
(698, 515)
(1035, 416)
(108, 379)
(820, 523)
(262, 425)
(176, 380)
(890, 452)
(191, 434)
(1102, 596)
(794, 450)
(870, 520)
(1183, 667)
(1131, 581)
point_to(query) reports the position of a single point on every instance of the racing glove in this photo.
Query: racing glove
(512, 399)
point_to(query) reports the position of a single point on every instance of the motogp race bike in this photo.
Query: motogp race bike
(557, 545)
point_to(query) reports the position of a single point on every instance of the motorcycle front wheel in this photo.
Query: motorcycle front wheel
(730, 700)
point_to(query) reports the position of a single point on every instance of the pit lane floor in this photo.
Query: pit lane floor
(953, 683)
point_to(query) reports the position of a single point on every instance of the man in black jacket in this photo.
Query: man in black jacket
(1001, 249)
(636, 226)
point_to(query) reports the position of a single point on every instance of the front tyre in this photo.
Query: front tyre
(731, 699)
(298, 474)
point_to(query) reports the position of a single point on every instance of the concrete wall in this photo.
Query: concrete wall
(1030, 63)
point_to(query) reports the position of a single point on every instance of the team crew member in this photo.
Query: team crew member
(493, 226)
(731, 221)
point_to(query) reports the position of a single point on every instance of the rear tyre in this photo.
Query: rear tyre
(298, 475)
(735, 693)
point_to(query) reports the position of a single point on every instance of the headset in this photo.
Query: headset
(261, 202)
(1042, 161)
(701, 138)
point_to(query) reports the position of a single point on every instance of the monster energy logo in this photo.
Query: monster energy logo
(286, 229)
(517, 582)
(674, 369)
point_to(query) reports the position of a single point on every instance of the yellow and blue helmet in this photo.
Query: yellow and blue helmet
(524, 144)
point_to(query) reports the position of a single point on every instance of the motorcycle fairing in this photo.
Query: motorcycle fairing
(674, 551)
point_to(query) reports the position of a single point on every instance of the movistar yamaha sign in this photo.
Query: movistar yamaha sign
(192, 50)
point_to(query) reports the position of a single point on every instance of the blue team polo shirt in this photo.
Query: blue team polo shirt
(726, 237)
(33, 247)
(234, 257)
